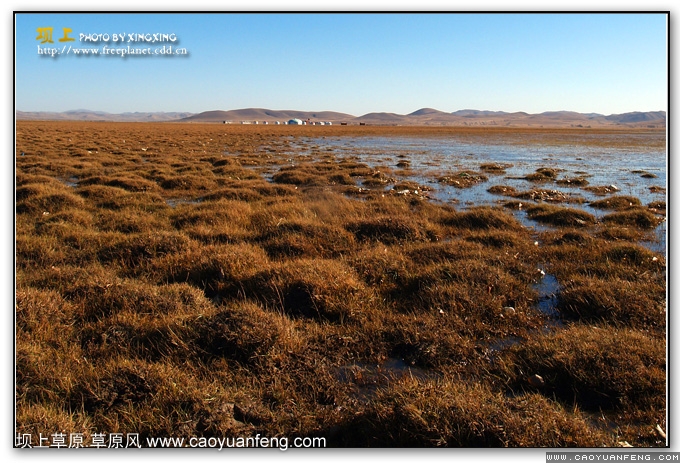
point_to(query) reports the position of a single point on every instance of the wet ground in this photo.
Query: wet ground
(623, 164)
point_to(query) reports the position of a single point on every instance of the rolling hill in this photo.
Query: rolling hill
(259, 114)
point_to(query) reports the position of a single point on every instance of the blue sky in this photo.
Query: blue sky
(353, 63)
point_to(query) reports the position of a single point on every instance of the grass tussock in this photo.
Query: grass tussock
(469, 297)
(377, 179)
(212, 269)
(551, 196)
(195, 182)
(481, 218)
(638, 217)
(616, 302)
(389, 230)
(616, 203)
(543, 174)
(595, 368)
(214, 213)
(115, 198)
(618, 233)
(657, 207)
(572, 237)
(243, 332)
(133, 249)
(536, 194)
(616, 260)
(45, 199)
(602, 190)
(129, 182)
(299, 178)
(130, 221)
(503, 190)
(238, 194)
(72, 217)
(326, 290)
(495, 168)
(644, 174)
(329, 173)
(560, 216)
(572, 181)
(164, 333)
(306, 239)
(499, 239)
(463, 179)
(455, 414)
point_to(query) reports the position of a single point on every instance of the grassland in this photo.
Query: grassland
(207, 280)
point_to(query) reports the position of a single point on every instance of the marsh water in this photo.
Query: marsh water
(635, 164)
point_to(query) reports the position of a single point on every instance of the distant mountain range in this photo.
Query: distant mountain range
(258, 114)
(87, 115)
(424, 116)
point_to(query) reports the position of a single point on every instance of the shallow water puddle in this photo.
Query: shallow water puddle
(658, 243)
(174, 202)
(366, 378)
(503, 343)
(71, 181)
(548, 289)
(392, 368)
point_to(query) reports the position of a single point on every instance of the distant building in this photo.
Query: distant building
(295, 122)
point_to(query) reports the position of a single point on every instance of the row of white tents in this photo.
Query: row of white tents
(301, 122)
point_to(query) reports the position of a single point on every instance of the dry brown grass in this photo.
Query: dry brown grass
(560, 216)
(616, 203)
(481, 218)
(572, 181)
(536, 194)
(199, 279)
(638, 217)
(458, 414)
(543, 174)
(463, 179)
(619, 302)
(599, 368)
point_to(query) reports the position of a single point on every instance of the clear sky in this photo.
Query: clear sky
(352, 63)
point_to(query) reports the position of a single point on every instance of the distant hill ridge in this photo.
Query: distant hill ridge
(265, 115)
(87, 115)
(423, 116)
